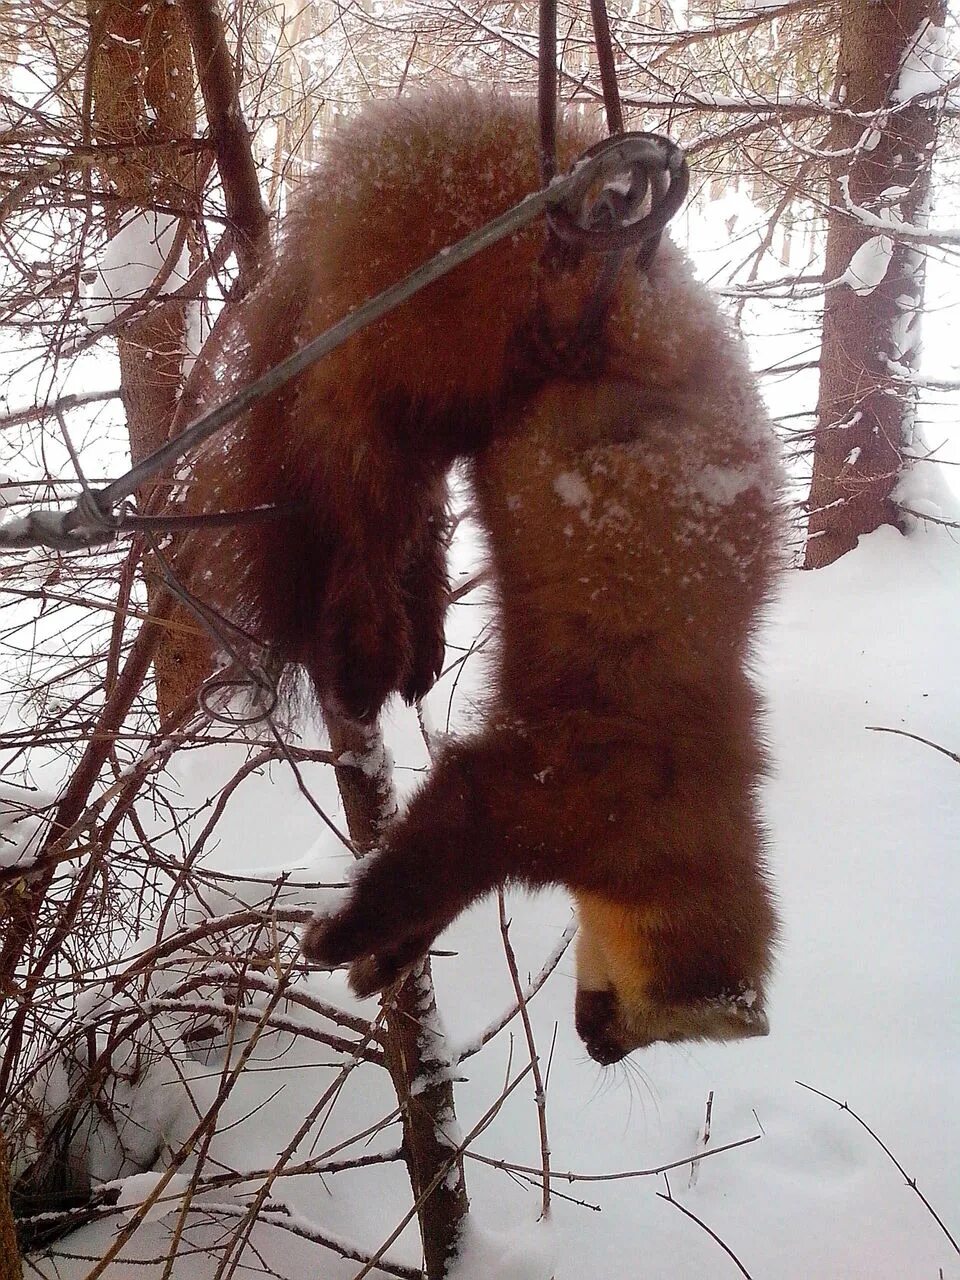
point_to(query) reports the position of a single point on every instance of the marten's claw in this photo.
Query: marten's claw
(367, 650)
(361, 687)
(424, 675)
(376, 972)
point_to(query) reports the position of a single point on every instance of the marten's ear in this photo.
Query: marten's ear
(642, 977)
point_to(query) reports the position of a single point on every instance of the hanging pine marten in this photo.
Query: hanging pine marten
(627, 479)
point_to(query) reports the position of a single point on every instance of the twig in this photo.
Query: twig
(709, 1230)
(902, 733)
(911, 1182)
(37, 412)
(144, 961)
(929, 519)
(221, 98)
(278, 1022)
(509, 1167)
(307, 1168)
(495, 1027)
(540, 1093)
(276, 1217)
(704, 1138)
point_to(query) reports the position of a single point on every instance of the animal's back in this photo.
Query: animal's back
(634, 516)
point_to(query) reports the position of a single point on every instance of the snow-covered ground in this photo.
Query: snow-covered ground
(864, 1007)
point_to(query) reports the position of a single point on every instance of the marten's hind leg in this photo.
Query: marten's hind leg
(362, 650)
(377, 627)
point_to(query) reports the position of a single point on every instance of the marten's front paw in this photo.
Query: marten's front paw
(336, 940)
(369, 923)
(378, 960)
(376, 972)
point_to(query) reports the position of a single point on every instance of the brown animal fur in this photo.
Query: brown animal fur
(629, 490)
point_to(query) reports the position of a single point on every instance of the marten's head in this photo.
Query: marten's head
(644, 976)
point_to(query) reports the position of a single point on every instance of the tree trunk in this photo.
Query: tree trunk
(423, 1086)
(10, 1268)
(144, 102)
(865, 414)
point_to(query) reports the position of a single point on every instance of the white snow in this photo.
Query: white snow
(141, 1104)
(571, 488)
(21, 821)
(922, 71)
(132, 261)
(136, 1189)
(528, 1252)
(923, 488)
(869, 264)
(721, 486)
(889, 220)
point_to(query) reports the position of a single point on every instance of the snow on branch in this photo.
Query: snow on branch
(867, 268)
(891, 225)
(922, 69)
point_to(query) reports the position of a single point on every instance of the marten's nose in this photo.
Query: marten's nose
(596, 1019)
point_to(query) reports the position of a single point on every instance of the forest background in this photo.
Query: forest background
(174, 1082)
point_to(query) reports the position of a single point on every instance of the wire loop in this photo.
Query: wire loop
(635, 171)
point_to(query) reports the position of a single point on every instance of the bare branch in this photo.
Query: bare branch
(709, 1230)
(540, 1094)
(218, 84)
(844, 1106)
(38, 412)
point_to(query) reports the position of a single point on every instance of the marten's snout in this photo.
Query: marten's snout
(596, 1020)
(645, 976)
(610, 1031)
